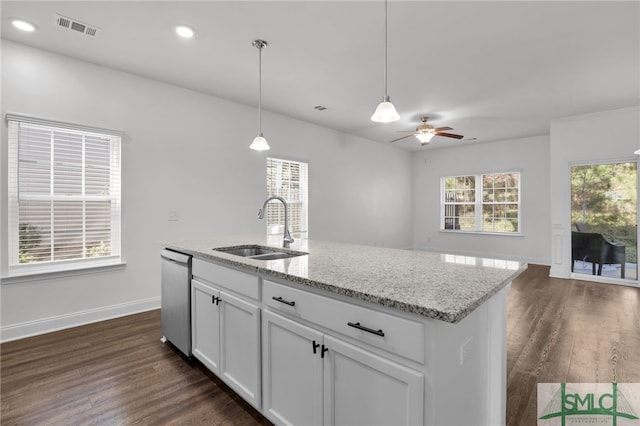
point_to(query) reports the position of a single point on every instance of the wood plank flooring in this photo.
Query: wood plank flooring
(118, 372)
(114, 372)
(567, 331)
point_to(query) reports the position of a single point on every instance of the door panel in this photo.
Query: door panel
(364, 389)
(240, 346)
(205, 325)
(292, 373)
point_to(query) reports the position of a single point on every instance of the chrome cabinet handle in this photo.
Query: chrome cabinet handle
(367, 329)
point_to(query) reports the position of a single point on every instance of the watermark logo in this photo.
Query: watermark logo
(563, 404)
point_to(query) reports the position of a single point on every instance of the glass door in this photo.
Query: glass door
(604, 220)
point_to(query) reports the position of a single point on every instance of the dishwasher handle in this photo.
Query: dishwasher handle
(174, 256)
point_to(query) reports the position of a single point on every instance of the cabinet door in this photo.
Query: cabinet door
(240, 347)
(291, 371)
(363, 389)
(205, 324)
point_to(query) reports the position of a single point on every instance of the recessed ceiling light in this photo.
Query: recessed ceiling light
(184, 31)
(23, 25)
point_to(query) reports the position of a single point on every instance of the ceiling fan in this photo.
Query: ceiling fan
(425, 132)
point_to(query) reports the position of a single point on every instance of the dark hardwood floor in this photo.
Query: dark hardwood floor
(118, 372)
(567, 331)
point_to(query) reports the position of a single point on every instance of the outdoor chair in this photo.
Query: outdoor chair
(596, 249)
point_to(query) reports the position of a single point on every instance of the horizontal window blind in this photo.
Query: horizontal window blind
(64, 195)
(287, 179)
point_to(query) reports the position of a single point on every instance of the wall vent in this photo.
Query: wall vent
(75, 25)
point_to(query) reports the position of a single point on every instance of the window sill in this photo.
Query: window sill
(48, 275)
(495, 234)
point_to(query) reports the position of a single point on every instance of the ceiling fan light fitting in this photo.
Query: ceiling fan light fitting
(259, 143)
(425, 138)
(385, 112)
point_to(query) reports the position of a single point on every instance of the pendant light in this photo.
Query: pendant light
(259, 143)
(385, 112)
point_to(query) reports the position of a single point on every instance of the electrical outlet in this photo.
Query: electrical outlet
(465, 350)
(173, 216)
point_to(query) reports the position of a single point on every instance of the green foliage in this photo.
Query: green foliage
(604, 196)
(99, 250)
(28, 239)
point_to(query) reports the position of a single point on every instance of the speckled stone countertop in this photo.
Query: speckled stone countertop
(435, 285)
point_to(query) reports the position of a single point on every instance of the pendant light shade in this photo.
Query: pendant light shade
(259, 143)
(385, 112)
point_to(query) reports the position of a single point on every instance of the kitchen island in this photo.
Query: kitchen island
(349, 334)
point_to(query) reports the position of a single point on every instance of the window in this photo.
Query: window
(287, 179)
(64, 196)
(482, 203)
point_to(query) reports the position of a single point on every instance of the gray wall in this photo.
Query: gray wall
(189, 152)
(530, 156)
(590, 138)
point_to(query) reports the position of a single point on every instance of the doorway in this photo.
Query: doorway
(604, 237)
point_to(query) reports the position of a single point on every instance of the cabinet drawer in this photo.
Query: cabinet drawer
(239, 282)
(393, 334)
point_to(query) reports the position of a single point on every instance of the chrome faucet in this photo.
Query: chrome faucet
(287, 236)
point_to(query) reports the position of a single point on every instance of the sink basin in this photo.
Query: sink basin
(259, 252)
(247, 251)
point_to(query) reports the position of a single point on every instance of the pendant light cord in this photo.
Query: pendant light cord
(260, 90)
(385, 49)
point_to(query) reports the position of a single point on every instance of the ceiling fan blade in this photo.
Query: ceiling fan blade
(399, 139)
(406, 131)
(440, 129)
(449, 135)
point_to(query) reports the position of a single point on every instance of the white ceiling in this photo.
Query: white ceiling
(491, 70)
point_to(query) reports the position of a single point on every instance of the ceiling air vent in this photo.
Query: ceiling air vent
(75, 25)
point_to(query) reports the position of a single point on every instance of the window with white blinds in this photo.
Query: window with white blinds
(488, 203)
(64, 196)
(287, 179)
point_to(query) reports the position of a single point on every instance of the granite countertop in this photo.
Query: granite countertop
(443, 286)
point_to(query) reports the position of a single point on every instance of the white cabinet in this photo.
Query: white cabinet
(312, 378)
(306, 357)
(361, 388)
(205, 325)
(226, 334)
(291, 372)
(240, 347)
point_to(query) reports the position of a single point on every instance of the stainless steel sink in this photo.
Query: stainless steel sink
(247, 251)
(259, 252)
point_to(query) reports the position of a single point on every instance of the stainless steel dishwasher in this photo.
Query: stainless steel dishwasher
(175, 301)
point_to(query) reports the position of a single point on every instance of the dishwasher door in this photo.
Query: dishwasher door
(176, 299)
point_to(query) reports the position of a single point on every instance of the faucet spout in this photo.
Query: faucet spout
(287, 239)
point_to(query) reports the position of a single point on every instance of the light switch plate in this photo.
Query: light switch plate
(173, 216)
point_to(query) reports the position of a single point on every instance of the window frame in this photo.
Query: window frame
(304, 203)
(17, 269)
(479, 204)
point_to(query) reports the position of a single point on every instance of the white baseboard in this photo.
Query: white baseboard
(60, 322)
